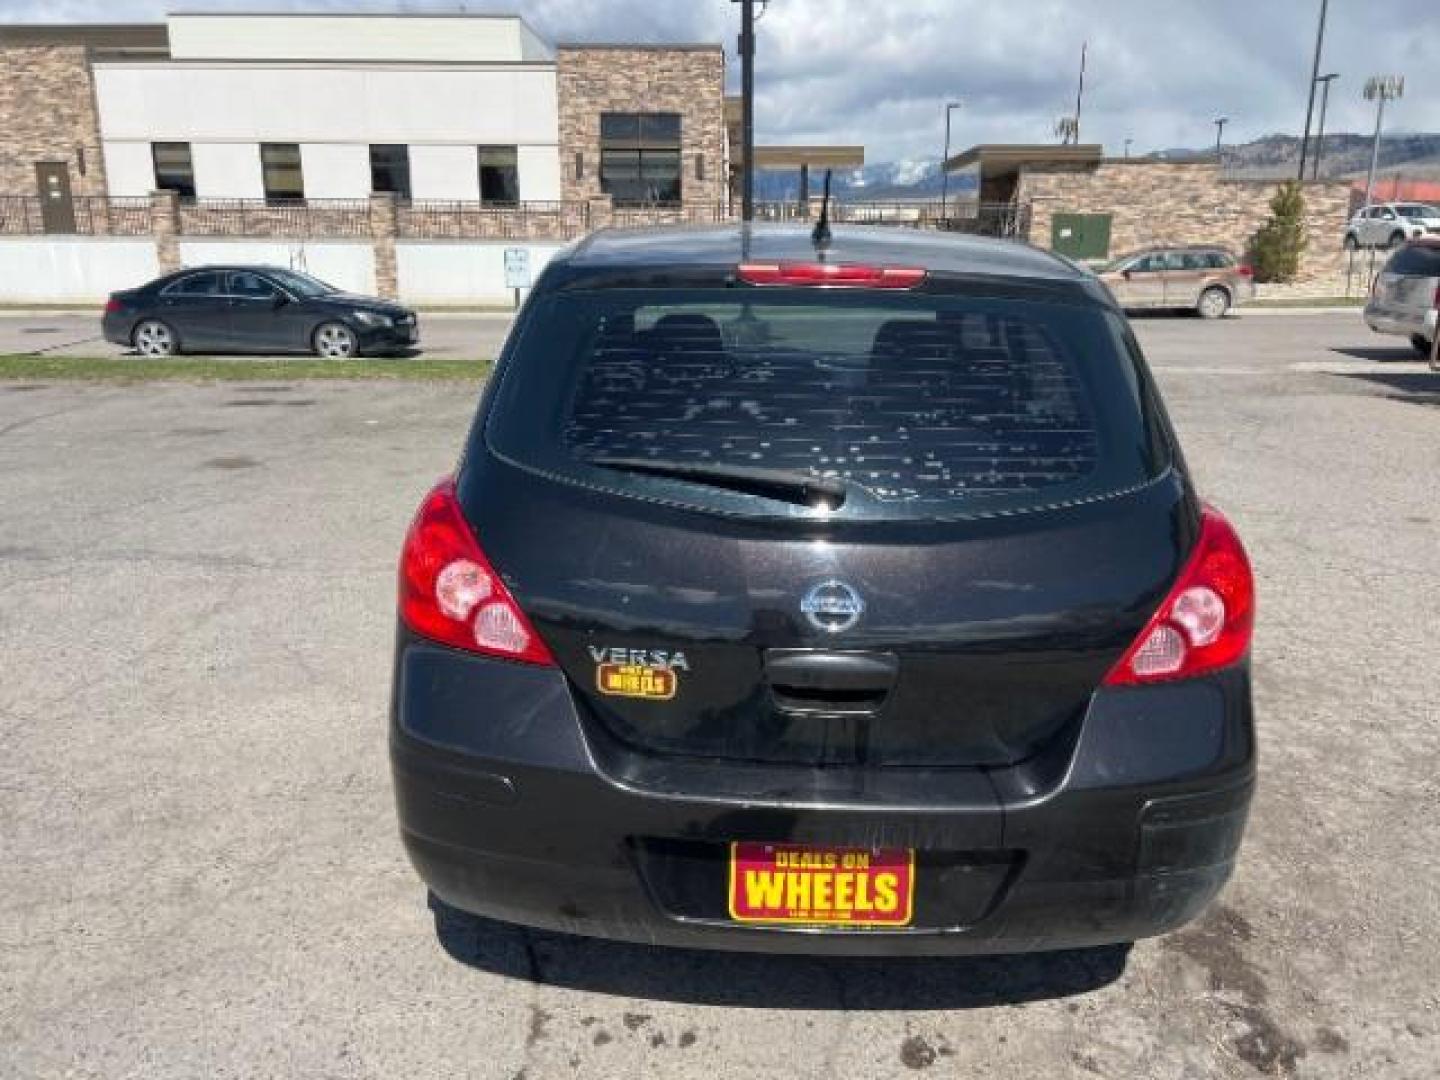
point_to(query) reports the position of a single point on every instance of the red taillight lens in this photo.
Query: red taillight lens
(450, 593)
(1245, 270)
(1205, 622)
(831, 275)
(112, 305)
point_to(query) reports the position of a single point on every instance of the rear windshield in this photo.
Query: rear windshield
(1419, 260)
(912, 405)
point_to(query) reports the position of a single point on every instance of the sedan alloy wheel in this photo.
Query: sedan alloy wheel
(154, 338)
(335, 341)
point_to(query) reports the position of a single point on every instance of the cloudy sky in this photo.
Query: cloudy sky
(878, 72)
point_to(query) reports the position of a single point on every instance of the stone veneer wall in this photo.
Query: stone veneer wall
(1155, 203)
(597, 79)
(47, 112)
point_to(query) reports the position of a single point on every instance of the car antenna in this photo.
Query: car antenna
(821, 236)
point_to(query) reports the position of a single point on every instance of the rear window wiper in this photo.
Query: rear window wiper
(785, 485)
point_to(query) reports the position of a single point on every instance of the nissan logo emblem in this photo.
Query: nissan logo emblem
(832, 606)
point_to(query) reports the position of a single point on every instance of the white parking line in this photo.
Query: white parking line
(1201, 369)
(1340, 367)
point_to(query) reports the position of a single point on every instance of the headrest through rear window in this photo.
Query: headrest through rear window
(686, 332)
(912, 339)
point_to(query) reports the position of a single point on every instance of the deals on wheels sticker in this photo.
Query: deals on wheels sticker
(798, 884)
(635, 680)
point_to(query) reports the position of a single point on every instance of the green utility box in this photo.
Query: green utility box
(1081, 236)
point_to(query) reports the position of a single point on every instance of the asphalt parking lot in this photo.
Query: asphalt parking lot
(199, 867)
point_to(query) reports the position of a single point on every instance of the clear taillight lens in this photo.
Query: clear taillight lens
(450, 593)
(1205, 622)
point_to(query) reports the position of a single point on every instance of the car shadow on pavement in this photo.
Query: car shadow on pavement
(750, 980)
(1379, 354)
(1420, 387)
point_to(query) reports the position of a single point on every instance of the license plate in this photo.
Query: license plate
(796, 884)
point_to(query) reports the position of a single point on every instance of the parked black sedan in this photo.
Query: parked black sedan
(254, 309)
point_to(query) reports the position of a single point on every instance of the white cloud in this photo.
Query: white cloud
(878, 72)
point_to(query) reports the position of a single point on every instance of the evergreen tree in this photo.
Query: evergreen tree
(1278, 244)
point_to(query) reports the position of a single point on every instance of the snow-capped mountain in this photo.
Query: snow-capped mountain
(911, 178)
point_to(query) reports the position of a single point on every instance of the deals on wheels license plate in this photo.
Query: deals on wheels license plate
(797, 884)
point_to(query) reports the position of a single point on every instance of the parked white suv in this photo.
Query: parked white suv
(1391, 224)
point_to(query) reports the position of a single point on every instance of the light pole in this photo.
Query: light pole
(945, 164)
(1220, 122)
(1314, 75)
(747, 107)
(1325, 81)
(1380, 89)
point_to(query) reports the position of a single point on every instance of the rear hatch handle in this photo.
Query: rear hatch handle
(810, 680)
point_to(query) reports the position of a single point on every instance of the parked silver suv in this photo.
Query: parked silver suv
(1406, 294)
(1391, 224)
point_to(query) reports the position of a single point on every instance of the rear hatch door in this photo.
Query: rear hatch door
(989, 523)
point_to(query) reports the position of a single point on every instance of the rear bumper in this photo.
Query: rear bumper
(1397, 319)
(116, 328)
(514, 807)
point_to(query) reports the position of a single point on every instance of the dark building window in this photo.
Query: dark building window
(499, 175)
(390, 169)
(173, 170)
(280, 169)
(640, 157)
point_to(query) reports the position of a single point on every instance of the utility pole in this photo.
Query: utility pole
(1314, 76)
(747, 106)
(1324, 81)
(1220, 122)
(1080, 90)
(1380, 89)
(945, 164)
(1127, 147)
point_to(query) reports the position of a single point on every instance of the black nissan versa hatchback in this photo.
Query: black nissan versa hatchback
(844, 598)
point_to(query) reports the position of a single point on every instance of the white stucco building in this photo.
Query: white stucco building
(334, 107)
(400, 153)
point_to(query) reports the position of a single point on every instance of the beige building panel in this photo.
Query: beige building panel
(1160, 203)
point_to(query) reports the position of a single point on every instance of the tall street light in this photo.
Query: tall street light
(1324, 81)
(1380, 89)
(945, 164)
(747, 107)
(1314, 75)
(1220, 122)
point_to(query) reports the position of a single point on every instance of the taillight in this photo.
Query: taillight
(1206, 620)
(450, 593)
(831, 275)
(1245, 270)
(113, 305)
